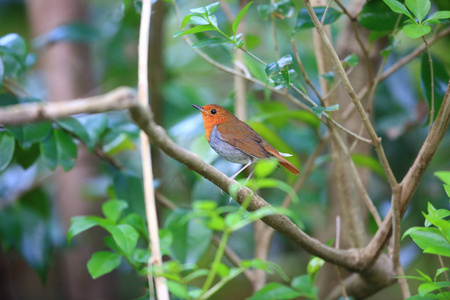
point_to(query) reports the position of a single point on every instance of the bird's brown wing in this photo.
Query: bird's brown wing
(244, 138)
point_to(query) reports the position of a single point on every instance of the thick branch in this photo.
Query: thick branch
(119, 98)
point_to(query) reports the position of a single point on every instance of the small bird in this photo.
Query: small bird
(236, 141)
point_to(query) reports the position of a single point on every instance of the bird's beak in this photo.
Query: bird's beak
(199, 108)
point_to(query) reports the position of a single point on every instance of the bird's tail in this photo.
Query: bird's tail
(290, 167)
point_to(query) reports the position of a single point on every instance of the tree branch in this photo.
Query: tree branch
(119, 98)
(162, 291)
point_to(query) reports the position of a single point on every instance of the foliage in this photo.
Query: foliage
(433, 238)
(416, 10)
(194, 269)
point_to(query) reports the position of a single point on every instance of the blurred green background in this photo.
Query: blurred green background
(34, 257)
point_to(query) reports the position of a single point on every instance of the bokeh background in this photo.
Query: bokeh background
(88, 47)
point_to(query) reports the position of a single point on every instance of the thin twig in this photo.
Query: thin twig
(441, 262)
(274, 33)
(338, 269)
(395, 67)
(325, 12)
(430, 61)
(351, 92)
(162, 292)
(302, 69)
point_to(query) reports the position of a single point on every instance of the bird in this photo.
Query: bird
(236, 141)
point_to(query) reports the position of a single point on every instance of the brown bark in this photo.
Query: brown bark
(343, 195)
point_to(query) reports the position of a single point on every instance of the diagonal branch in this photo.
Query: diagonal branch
(349, 258)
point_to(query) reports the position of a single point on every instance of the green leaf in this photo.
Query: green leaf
(267, 266)
(141, 255)
(14, 45)
(440, 271)
(351, 60)
(319, 110)
(426, 288)
(210, 42)
(304, 19)
(265, 167)
(397, 7)
(59, 149)
(447, 189)
(223, 270)
(278, 71)
(439, 15)
(262, 183)
(95, 126)
(239, 16)
(7, 145)
(102, 263)
(190, 239)
(415, 31)
(194, 19)
(138, 223)
(314, 266)
(275, 290)
(444, 176)
(419, 8)
(376, 15)
(113, 208)
(74, 126)
(28, 156)
(441, 78)
(177, 289)
(66, 150)
(196, 274)
(282, 9)
(430, 240)
(125, 236)
(195, 29)
(119, 144)
(212, 8)
(80, 224)
(369, 162)
(305, 285)
(439, 214)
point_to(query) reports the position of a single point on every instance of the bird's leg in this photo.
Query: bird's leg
(242, 169)
(251, 173)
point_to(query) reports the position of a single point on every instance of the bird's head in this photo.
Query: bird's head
(214, 114)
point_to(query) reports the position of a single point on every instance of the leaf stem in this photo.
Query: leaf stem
(216, 262)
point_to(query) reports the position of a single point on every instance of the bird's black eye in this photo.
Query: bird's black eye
(213, 111)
